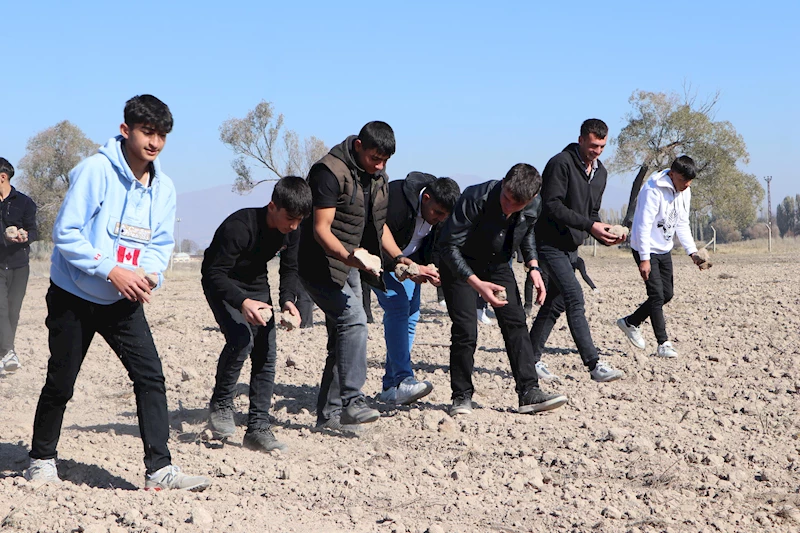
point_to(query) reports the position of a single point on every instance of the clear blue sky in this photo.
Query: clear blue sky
(469, 87)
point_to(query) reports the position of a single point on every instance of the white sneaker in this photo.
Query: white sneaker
(10, 362)
(666, 350)
(409, 391)
(42, 471)
(604, 372)
(171, 477)
(483, 317)
(633, 333)
(443, 304)
(544, 373)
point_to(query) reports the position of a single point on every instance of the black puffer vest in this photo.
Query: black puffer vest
(349, 220)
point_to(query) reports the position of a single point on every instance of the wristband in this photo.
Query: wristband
(535, 267)
(398, 258)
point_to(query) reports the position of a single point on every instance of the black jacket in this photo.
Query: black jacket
(476, 236)
(402, 216)
(570, 203)
(235, 263)
(20, 211)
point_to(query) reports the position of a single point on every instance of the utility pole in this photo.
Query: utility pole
(178, 232)
(768, 179)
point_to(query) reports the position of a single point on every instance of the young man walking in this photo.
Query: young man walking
(662, 211)
(236, 285)
(350, 193)
(119, 214)
(572, 191)
(417, 206)
(488, 223)
(18, 227)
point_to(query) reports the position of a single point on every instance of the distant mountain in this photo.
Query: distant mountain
(201, 212)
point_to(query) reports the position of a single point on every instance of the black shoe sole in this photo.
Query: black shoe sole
(549, 405)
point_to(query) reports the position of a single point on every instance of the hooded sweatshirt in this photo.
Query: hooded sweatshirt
(108, 218)
(661, 212)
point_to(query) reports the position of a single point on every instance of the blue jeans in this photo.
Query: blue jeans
(563, 292)
(400, 305)
(346, 364)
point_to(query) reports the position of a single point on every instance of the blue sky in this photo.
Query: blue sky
(470, 88)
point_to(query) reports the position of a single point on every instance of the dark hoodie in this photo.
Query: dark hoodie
(570, 203)
(359, 219)
(20, 211)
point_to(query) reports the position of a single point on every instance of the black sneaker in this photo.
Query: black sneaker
(536, 401)
(358, 412)
(220, 418)
(462, 404)
(334, 423)
(262, 440)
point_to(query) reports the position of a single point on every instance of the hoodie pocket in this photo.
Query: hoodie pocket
(129, 241)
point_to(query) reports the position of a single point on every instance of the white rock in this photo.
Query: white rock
(200, 516)
(131, 517)
(612, 512)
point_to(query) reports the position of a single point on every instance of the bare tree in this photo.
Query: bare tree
(261, 136)
(663, 126)
(188, 246)
(49, 157)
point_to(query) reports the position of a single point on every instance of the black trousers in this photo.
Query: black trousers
(13, 282)
(72, 323)
(659, 292)
(305, 305)
(460, 298)
(243, 340)
(564, 293)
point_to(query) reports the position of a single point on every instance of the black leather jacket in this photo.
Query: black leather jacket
(402, 216)
(478, 235)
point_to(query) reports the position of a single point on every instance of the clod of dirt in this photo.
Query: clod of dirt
(434, 268)
(619, 231)
(501, 295)
(289, 321)
(152, 279)
(266, 313)
(372, 262)
(23, 233)
(703, 254)
(12, 232)
(403, 271)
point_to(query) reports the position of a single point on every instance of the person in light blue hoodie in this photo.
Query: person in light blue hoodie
(115, 225)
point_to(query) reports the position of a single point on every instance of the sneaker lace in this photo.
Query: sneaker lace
(603, 367)
(359, 402)
(46, 468)
(223, 408)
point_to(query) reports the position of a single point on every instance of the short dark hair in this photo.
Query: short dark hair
(445, 192)
(595, 126)
(378, 135)
(293, 194)
(6, 168)
(148, 110)
(684, 165)
(522, 182)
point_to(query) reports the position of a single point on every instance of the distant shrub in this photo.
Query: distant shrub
(756, 231)
(727, 231)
